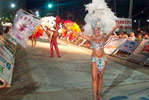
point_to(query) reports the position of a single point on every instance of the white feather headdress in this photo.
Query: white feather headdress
(99, 15)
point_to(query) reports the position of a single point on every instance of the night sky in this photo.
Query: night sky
(76, 8)
(67, 8)
(122, 6)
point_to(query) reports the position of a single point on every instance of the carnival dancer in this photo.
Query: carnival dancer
(99, 20)
(98, 59)
(54, 36)
(37, 33)
(53, 42)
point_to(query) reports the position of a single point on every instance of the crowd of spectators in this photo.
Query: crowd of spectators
(134, 35)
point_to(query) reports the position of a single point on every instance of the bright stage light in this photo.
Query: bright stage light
(12, 5)
(50, 5)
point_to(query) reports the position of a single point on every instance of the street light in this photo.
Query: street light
(50, 5)
(37, 13)
(13, 5)
(148, 22)
(135, 21)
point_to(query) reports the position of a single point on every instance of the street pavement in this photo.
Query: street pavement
(36, 76)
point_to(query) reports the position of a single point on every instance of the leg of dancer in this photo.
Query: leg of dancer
(100, 80)
(56, 48)
(34, 42)
(94, 79)
(51, 49)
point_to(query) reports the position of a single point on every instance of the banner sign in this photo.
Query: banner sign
(24, 26)
(129, 46)
(113, 44)
(6, 70)
(141, 53)
(7, 53)
(126, 24)
(145, 49)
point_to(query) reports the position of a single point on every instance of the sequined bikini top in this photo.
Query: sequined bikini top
(97, 45)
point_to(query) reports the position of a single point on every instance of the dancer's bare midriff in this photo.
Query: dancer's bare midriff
(98, 53)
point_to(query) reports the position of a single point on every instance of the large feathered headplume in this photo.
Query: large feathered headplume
(58, 21)
(99, 15)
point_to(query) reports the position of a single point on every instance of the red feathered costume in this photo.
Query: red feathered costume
(53, 41)
(37, 33)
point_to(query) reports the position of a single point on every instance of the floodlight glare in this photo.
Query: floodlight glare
(50, 5)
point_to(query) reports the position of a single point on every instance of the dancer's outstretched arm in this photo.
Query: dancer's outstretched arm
(85, 37)
(107, 37)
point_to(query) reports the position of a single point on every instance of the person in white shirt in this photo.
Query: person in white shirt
(132, 36)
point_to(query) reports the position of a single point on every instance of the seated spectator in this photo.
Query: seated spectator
(143, 33)
(138, 31)
(146, 36)
(139, 37)
(120, 36)
(125, 35)
(132, 36)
